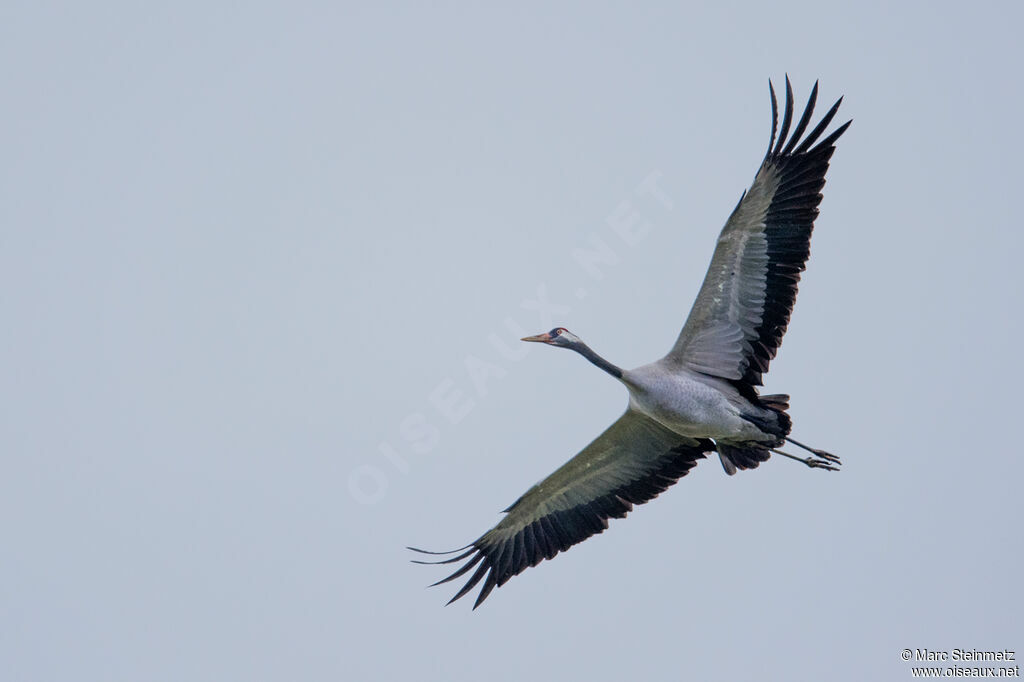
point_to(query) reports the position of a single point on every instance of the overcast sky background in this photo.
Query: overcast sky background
(242, 246)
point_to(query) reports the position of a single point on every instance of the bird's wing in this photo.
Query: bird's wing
(743, 308)
(633, 461)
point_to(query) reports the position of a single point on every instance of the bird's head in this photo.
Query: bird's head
(563, 338)
(559, 336)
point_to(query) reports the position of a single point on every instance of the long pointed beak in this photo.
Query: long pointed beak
(539, 338)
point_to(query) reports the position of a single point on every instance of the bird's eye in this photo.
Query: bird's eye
(557, 331)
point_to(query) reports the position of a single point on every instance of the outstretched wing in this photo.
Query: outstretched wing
(743, 308)
(633, 461)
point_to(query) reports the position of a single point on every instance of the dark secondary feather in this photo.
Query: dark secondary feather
(498, 560)
(789, 221)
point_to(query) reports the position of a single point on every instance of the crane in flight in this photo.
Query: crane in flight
(702, 397)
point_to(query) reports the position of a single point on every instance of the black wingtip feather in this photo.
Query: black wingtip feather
(787, 118)
(471, 583)
(485, 591)
(450, 551)
(836, 134)
(804, 120)
(818, 129)
(444, 561)
(468, 565)
(775, 119)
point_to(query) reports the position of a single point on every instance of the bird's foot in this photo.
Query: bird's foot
(825, 462)
(827, 456)
(821, 463)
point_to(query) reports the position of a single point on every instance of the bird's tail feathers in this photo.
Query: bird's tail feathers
(777, 423)
(775, 401)
(778, 403)
(746, 456)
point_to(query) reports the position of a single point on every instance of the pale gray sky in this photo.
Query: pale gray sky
(246, 250)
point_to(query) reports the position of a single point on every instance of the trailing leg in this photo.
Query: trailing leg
(820, 453)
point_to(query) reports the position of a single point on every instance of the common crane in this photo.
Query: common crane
(702, 397)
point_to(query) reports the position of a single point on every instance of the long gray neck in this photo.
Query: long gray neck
(584, 350)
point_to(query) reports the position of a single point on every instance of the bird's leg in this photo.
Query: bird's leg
(809, 461)
(820, 453)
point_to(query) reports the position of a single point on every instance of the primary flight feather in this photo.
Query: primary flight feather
(702, 397)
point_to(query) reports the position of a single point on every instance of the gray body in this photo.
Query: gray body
(694, 404)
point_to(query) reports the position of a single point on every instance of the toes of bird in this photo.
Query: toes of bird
(819, 464)
(826, 455)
